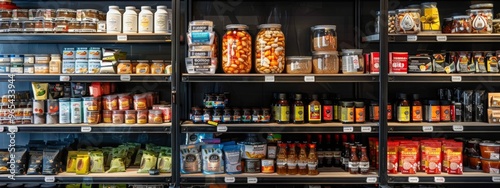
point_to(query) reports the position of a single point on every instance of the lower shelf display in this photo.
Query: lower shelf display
(469, 176)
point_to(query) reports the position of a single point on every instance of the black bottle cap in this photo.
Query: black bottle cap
(298, 97)
(416, 97)
(282, 96)
(315, 96)
(402, 96)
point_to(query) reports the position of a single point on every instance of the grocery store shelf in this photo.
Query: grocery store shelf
(282, 128)
(445, 78)
(466, 177)
(261, 178)
(444, 127)
(129, 177)
(89, 128)
(86, 77)
(433, 37)
(58, 38)
(282, 78)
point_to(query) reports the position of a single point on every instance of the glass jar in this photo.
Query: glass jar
(256, 115)
(461, 24)
(217, 117)
(20, 14)
(207, 115)
(347, 112)
(266, 115)
(298, 64)
(236, 115)
(353, 61)
(325, 62)
(196, 115)
(270, 49)
(432, 111)
(324, 38)
(65, 14)
(155, 116)
(130, 117)
(237, 49)
(430, 17)
(246, 117)
(228, 115)
(408, 21)
(107, 116)
(447, 25)
(481, 20)
(118, 117)
(496, 26)
(93, 117)
(142, 116)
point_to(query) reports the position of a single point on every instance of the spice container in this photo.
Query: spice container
(408, 21)
(447, 25)
(65, 14)
(270, 49)
(324, 38)
(93, 117)
(298, 64)
(130, 116)
(236, 49)
(347, 112)
(481, 20)
(430, 18)
(118, 116)
(432, 111)
(325, 62)
(461, 24)
(353, 61)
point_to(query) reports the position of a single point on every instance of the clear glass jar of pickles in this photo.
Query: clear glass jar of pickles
(236, 49)
(270, 49)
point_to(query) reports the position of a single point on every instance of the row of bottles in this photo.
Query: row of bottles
(291, 162)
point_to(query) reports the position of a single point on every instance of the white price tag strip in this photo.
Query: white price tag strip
(221, 128)
(86, 129)
(13, 129)
(411, 38)
(125, 78)
(121, 38)
(458, 128)
(456, 78)
(439, 179)
(229, 179)
(371, 180)
(366, 129)
(269, 78)
(348, 129)
(50, 179)
(495, 156)
(413, 179)
(309, 79)
(427, 128)
(495, 179)
(252, 180)
(64, 78)
(441, 38)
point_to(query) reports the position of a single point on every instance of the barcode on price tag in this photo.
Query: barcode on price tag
(64, 78)
(229, 179)
(458, 128)
(222, 128)
(121, 38)
(427, 128)
(411, 38)
(252, 180)
(348, 129)
(371, 179)
(269, 78)
(495, 179)
(125, 78)
(86, 129)
(309, 79)
(456, 78)
(441, 38)
(413, 179)
(366, 129)
(50, 179)
(13, 129)
(439, 179)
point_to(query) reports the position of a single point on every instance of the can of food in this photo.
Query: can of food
(52, 118)
(38, 107)
(53, 106)
(76, 110)
(252, 165)
(38, 118)
(64, 111)
(267, 166)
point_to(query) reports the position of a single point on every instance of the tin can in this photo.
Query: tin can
(252, 166)
(53, 106)
(38, 107)
(64, 111)
(76, 110)
(52, 118)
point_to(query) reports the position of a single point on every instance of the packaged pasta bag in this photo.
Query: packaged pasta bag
(213, 161)
(71, 161)
(190, 159)
(117, 160)
(148, 162)
(96, 162)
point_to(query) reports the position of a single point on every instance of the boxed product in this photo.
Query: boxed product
(374, 67)
(421, 63)
(398, 62)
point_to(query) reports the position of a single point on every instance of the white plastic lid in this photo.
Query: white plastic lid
(145, 8)
(161, 7)
(318, 27)
(130, 8)
(264, 26)
(460, 17)
(114, 7)
(237, 26)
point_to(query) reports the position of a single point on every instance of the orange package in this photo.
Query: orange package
(433, 157)
(453, 154)
(423, 156)
(408, 160)
(444, 154)
(392, 157)
(412, 142)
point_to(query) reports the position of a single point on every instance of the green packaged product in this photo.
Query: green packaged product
(148, 162)
(117, 161)
(165, 161)
(96, 162)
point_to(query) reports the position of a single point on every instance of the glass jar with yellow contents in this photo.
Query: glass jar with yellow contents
(430, 17)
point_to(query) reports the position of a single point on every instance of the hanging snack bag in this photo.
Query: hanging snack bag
(190, 159)
(148, 162)
(213, 161)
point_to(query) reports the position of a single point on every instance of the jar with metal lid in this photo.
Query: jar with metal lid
(359, 112)
(74, 27)
(266, 115)
(432, 111)
(236, 115)
(236, 49)
(130, 116)
(496, 26)
(217, 115)
(270, 49)
(353, 61)
(461, 24)
(408, 21)
(227, 117)
(107, 116)
(246, 116)
(325, 62)
(118, 116)
(20, 14)
(207, 115)
(347, 112)
(196, 115)
(298, 64)
(445, 111)
(90, 15)
(324, 38)
(256, 114)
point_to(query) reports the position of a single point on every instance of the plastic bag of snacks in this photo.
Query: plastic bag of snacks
(190, 159)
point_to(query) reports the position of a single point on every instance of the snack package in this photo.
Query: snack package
(213, 161)
(71, 161)
(452, 154)
(138, 157)
(51, 163)
(82, 163)
(165, 161)
(40, 90)
(392, 157)
(190, 159)
(148, 162)
(4, 166)
(408, 160)
(96, 162)
(21, 156)
(491, 62)
(35, 163)
(232, 159)
(73, 185)
(433, 157)
(117, 160)
(480, 62)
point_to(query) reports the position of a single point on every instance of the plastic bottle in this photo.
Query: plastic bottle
(113, 20)
(161, 19)
(130, 20)
(145, 20)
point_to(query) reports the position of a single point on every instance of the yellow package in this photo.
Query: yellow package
(82, 163)
(71, 162)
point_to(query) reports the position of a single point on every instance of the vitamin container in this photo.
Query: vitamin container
(142, 116)
(325, 62)
(408, 21)
(155, 116)
(324, 38)
(130, 116)
(93, 117)
(353, 61)
(298, 64)
(107, 116)
(236, 49)
(270, 49)
(118, 116)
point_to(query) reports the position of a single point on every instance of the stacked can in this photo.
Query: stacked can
(202, 53)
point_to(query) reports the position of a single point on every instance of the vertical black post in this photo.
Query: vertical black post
(176, 82)
(383, 94)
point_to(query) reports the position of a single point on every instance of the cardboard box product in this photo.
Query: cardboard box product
(374, 63)
(398, 62)
(420, 63)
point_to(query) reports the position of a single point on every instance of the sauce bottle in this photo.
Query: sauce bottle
(274, 107)
(283, 109)
(291, 161)
(416, 109)
(298, 110)
(320, 151)
(314, 110)
(303, 160)
(326, 108)
(403, 109)
(336, 109)
(346, 154)
(281, 160)
(312, 163)
(353, 161)
(364, 162)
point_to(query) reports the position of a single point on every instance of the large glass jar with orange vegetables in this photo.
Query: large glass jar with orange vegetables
(236, 49)
(270, 49)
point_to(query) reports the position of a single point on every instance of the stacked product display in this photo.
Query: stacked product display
(202, 52)
(135, 21)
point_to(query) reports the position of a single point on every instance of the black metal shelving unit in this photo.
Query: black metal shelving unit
(89, 128)
(86, 77)
(92, 38)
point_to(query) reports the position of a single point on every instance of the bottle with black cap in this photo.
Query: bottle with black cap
(314, 110)
(403, 109)
(416, 109)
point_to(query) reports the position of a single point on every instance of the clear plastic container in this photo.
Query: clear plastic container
(430, 17)
(481, 20)
(408, 21)
(298, 64)
(496, 26)
(326, 62)
(118, 116)
(461, 24)
(270, 49)
(353, 61)
(65, 14)
(324, 38)
(237, 49)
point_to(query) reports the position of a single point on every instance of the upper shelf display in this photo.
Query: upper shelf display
(58, 38)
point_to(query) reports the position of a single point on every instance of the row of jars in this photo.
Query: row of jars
(52, 14)
(231, 115)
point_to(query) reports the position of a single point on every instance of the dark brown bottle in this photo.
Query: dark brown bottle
(337, 152)
(346, 154)
(403, 109)
(416, 109)
(320, 152)
(326, 108)
(283, 109)
(364, 162)
(328, 159)
(353, 161)
(298, 110)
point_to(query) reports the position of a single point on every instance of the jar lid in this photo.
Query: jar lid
(408, 10)
(433, 102)
(359, 104)
(129, 111)
(65, 10)
(447, 19)
(76, 99)
(496, 20)
(460, 17)
(63, 99)
(146, 7)
(414, 6)
(237, 26)
(325, 53)
(318, 27)
(118, 112)
(489, 144)
(161, 7)
(298, 58)
(347, 103)
(478, 10)
(352, 51)
(114, 7)
(92, 10)
(391, 12)
(265, 26)
(429, 3)
(482, 5)
(445, 102)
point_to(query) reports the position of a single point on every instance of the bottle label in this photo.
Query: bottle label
(337, 154)
(302, 165)
(335, 112)
(292, 165)
(328, 113)
(161, 22)
(321, 154)
(416, 112)
(281, 162)
(353, 165)
(299, 113)
(364, 165)
(347, 114)
(345, 161)
(314, 113)
(360, 114)
(403, 113)
(145, 23)
(284, 113)
(312, 165)
(130, 23)
(275, 113)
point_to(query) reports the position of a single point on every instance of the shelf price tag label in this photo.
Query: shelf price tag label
(13, 129)
(348, 129)
(121, 37)
(50, 179)
(252, 180)
(413, 179)
(371, 180)
(456, 78)
(441, 38)
(427, 128)
(269, 78)
(495, 179)
(86, 129)
(458, 128)
(366, 129)
(64, 78)
(309, 79)
(125, 78)
(411, 38)
(439, 179)
(88, 180)
(221, 128)
(229, 179)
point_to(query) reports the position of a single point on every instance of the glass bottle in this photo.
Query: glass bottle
(228, 116)
(346, 154)
(312, 164)
(303, 160)
(326, 108)
(283, 109)
(291, 161)
(298, 110)
(266, 115)
(236, 115)
(328, 159)
(336, 108)
(337, 152)
(314, 110)
(403, 109)
(320, 151)
(416, 109)
(353, 163)
(281, 159)
(364, 162)
(256, 117)
(207, 115)
(246, 117)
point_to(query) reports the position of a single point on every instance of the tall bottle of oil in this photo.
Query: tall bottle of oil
(283, 109)
(314, 110)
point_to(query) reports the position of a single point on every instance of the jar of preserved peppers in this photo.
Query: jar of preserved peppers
(270, 49)
(236, 49)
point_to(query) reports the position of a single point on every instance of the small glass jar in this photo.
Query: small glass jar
(374, 111)
(155, 116)
(93, 117)
(65, 14)
(445, 111)
(447, 25)
(432, 111)
(228, 115)
(256, 115)
(130, 117)
(20, 14)
(353, 61)
(118, 116)
(298, 64)
(324, 38)
(16, 27)
(246, 116)
(347, 112)
(207, 115)
(270, 49)
(140, 102)
(481, 20)
(359, 112)
(142, 116)
(29, 26)
(266, 115)
(157, 67)
(461, 24)
(236, 49)
(325, 62)
(196, 115)
(217, 117)
(124, 101)
(496, 26)
(5, 15)
(74, 27)
(90, 15)
(408, 21)
(107, 116)
(236, 115)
